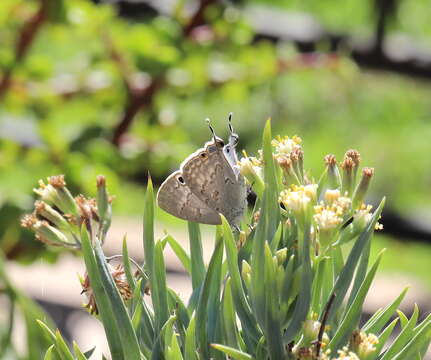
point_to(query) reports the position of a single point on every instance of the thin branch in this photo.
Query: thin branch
(323, 324)
(198, 17)
(140, 98)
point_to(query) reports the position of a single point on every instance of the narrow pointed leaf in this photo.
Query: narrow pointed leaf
(127, 334)
(103, 304)
(351, 319)
(416, 343)
(344, 279)
(238, 293)
(78, 353)
(181, 253)
(127, 266)
(383, 337)
(233, 353)
(304, 297)
(403, 337)
(378, 322)
(149, 227)
(201, 312)
(196, 255)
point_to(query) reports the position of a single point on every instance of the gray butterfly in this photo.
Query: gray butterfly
(207, 183)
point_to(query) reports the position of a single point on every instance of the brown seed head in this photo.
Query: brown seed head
(330, 160)
(57, 181)
(347, 164)
(29, 220)
(100, 181)
(368, 172)
(354, 155)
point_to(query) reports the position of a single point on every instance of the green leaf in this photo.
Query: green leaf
(48, 354)
(103, 304)
(415, 344)
(143, 319)
(344, 279)
(127, 267)
(127, 334)
(404, 336)
(159, 293)
(271, 208)
(196, 255)
(78, 353)
(304, 298)
(233, 353)
(47, 331)
(351, 319)
(90, 352)
(229, 321)
(62, 348)
(383, 337)
(403, 319)
(240, 300)
(318, 283)
(360, 274)
(190, 347)
(181, 254)
(375, 324)
(149, 228)
(201, 311)
(272, 312)
(167, 332)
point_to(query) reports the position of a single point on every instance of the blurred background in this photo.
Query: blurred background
(122, 88)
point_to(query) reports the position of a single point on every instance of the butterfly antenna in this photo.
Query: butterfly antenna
(230, 122)
(208, 121)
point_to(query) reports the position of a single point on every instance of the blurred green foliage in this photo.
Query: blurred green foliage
(69, 93)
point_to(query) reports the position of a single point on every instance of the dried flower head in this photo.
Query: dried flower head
(120, 280)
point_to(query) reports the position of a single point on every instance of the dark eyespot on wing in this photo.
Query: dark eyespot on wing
(176, 198)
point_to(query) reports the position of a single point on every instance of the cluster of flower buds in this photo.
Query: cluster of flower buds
(252, 169)
(58, 216)
(334, 207)
(290, 157)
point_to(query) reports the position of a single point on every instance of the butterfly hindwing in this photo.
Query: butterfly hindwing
(211, 177)
(176, 198)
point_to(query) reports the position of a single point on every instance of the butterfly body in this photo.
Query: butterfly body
(207, 184)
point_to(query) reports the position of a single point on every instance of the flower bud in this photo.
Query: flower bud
(364, 345)
(50, 235)
(57, 193)
(362, 188)
(281, 255)
(104, 208)
(49, 213)
(251, 169)
(332, 172)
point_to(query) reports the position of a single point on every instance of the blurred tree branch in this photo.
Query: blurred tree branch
(198, 17)
(139, 98)
(23, 43)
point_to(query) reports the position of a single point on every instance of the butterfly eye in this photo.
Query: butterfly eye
(180, 179)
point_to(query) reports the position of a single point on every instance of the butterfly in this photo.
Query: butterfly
(207, 184)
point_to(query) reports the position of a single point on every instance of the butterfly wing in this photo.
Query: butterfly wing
(211, 177)
(176, 198)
